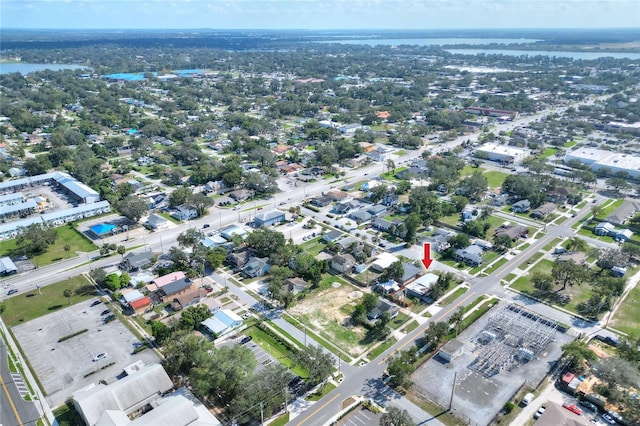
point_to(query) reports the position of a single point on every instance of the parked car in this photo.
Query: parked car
(572, 408)
(589, 406)
(607, 418)
(109, 318)
(105, 312)
(539, 412)
(12, 291)
(206, 225)
(100, 357)
(246, 339)
(95, 303)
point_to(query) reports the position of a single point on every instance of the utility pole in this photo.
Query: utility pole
(261, 414)
(453, 389)
(305, 335)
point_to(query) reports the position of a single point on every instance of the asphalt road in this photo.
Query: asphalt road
(14, 410)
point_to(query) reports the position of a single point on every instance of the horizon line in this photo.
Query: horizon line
(321, 29)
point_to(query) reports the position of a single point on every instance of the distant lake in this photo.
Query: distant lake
(24, 68)
(550, 53)
(429, 41)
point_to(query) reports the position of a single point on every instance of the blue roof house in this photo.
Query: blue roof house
(222, 322)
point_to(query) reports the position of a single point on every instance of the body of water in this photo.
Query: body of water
(429, 41)
(24, 68)
(550, 53)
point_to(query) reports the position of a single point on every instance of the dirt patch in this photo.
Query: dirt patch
(322, 312)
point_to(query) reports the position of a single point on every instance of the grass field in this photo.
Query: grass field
(627, 317)
(66, 236)
(275, 349)
(314, 246)
(548, 153)
(381, 348)
(30, 305)
(495, 179)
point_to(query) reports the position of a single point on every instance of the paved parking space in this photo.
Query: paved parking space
(61, 366)
(361, 417)
(263, 358)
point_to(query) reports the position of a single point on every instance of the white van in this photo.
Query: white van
(527, 399)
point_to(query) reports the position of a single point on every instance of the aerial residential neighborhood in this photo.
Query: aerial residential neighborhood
(202, 234)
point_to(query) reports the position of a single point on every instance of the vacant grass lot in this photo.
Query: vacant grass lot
(66, 236)
(314, 246)
(495, 179)
(29, 305)
(627, 317)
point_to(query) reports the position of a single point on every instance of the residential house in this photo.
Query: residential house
(622, 235)
(419, 289)
(390, 199)
(160, 282)
(471, 255)
(409, 272)
(238, 260)
(268, 218)
(513, 231)
(383, 261)
(296, 285)
(344, 207)
(603, 229)
(499, 200)
(383, 306)
(626, 210)
(348, 242)
(387, 287)
(470, 213)
(521, 206)
(142, 305)
(321, 201)
(222, 322)
(336, 195)
(342, 263)
(174, 289)
(361, 216)
(331, 236)
(256, 267)
(241, 194)
(190, 298)
(377, 210)
(382, 224)
(135, 261)
(483, 244)
(544, 210)
(185, 212)
(157, 222)
(231, 231)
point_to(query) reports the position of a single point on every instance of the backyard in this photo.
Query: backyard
(627, 317)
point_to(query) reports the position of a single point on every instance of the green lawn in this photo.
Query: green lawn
(453, 296)
(495, 266)
(30, 305)
(412, 326)
(627, 317)
(552, 244)
(468, 170)
(495, 179)
(275, 349)
(169, 217)
(381, 348)
(609, 207)
(323, 391)
(66, 236)
(548, 153)
(398, 320)
(281, 421)
(314, 246)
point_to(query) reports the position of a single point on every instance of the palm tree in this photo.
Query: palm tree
(67, 293)
(576, 244)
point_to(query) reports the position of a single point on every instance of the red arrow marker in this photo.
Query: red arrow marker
(427, 260)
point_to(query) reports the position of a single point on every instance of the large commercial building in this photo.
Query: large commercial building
(503, 153)
(602, 161)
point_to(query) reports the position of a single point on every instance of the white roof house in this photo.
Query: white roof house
(127, 395)
(383, 261)
(222, 322)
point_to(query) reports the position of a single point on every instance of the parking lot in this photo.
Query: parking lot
(61, 366)
(360, 417)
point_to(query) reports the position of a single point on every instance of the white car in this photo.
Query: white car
(539, 412)
(100, 357)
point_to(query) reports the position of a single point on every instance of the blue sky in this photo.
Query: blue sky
(319, 14)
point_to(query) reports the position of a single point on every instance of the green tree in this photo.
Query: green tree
(160, 332)
(317, 362)
(201, 202)
(400, 368)
(179, 196)
(121, 251)
(576, 353)
(543, 283)
(567, 272)
(502, 242)
(395, 416)
(193, 316)
(456, 318)
(35, 238)
(412, 223)
(190, 238)
(265, 241)
(215, 257)
(370, 301)
(68, 293)
(576, 244)
(393, 272)
(133, 208)
(67, 249)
